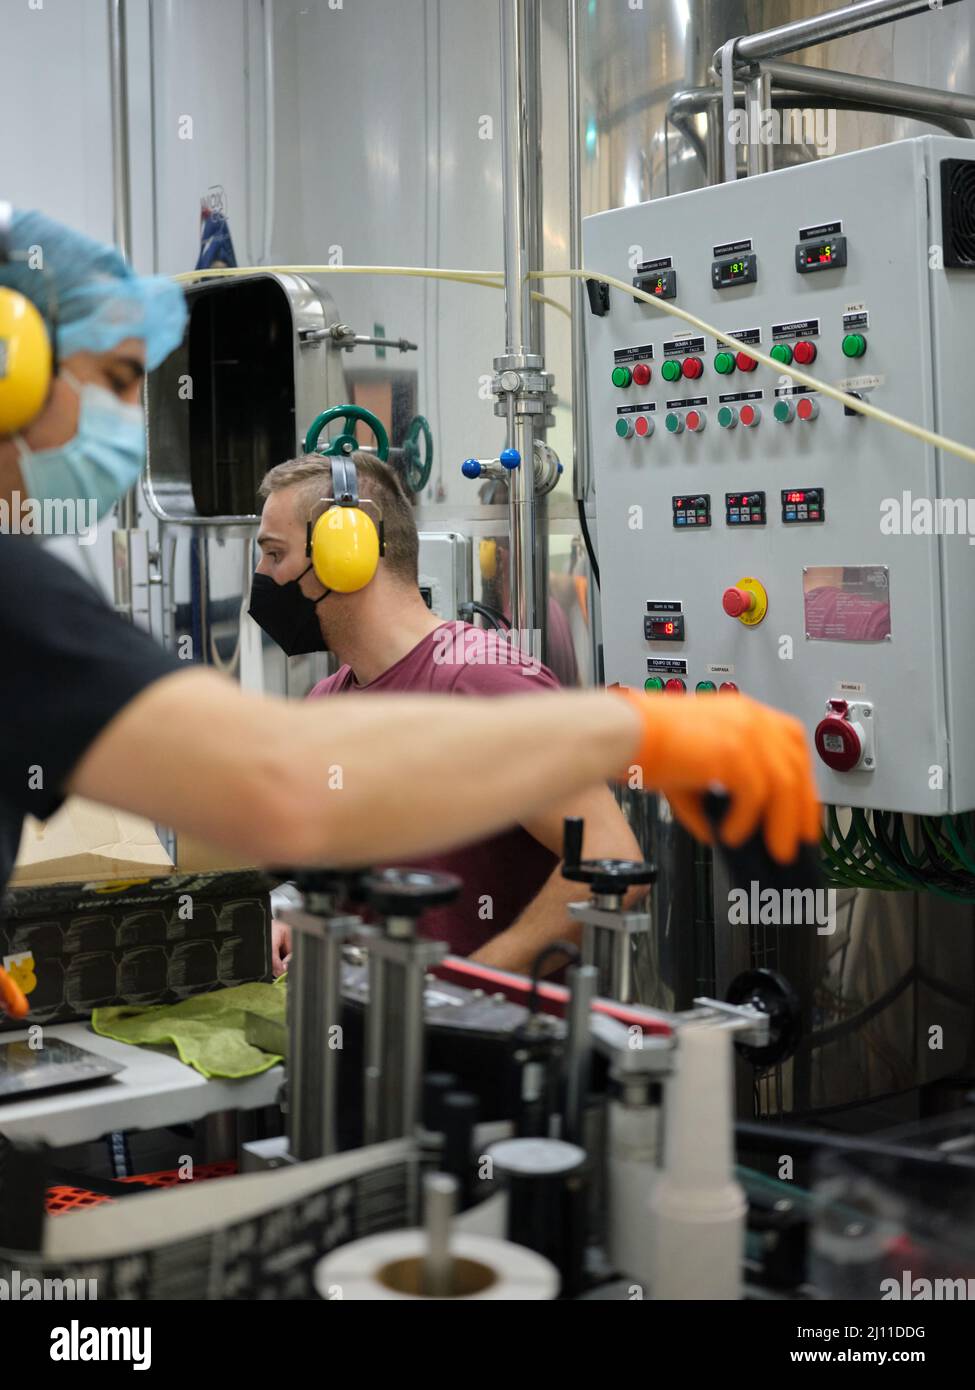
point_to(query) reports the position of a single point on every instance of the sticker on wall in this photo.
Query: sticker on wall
(846, 603)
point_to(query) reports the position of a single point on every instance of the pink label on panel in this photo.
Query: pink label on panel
(846, 603)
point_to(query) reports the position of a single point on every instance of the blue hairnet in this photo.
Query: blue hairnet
(97, 299)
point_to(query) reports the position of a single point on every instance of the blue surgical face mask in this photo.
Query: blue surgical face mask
(103, 459)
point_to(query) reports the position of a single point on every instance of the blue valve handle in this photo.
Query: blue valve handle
(509, 459)
(346, 442)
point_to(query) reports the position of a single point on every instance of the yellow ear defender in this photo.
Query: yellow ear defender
(26, 361)
(344, 543)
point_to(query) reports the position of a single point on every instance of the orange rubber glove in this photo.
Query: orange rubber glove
(755, 754)
(13, 1000)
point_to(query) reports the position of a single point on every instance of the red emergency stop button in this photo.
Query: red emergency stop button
(744, 363)
(693, 367)
(804, 352)
(736, 601)
(641, 374)
(838, 743)
(676, 684)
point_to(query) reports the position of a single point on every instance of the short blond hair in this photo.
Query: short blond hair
(311, 475)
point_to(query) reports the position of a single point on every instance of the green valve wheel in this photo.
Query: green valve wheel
(622, 376)
(653, 683)
(724, 363)
(782, 353)
(346, 442)
(854, 345)
(671, 370)
(417, 469)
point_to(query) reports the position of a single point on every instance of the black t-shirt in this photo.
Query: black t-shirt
(68, 665)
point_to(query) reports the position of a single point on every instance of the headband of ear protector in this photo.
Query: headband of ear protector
(344, 544)
(27, 362)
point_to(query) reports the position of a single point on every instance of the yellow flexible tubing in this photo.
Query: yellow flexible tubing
(494, 279)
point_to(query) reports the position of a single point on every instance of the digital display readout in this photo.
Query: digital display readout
(822, 253)
(734, 270)
(661, 629)
(660, 283)
(803, 504)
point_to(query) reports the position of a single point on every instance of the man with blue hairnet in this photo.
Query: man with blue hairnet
(108, 327)
(89, 704)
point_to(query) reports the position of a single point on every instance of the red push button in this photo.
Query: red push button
(694, 420)
(727, 688)
(750, 416)
(807, 408)
(804, 352)
(676, 684)
(641, 374)
(744, 363)
(736, 601)
(693, 367)
(644, 426)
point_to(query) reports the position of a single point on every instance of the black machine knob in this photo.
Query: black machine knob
(603, 875)
(409, 892)
(773, 995)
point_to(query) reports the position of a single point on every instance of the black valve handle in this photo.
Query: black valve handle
(603, 875)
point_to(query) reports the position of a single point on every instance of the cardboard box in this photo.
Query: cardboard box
(96, 914)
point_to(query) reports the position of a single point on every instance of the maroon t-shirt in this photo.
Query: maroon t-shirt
(501, 875)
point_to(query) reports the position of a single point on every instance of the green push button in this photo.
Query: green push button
(623, 428)
(674, 423)
(726, 417)
(671, 370)
(783, 411)
(653, 683)
(782, 353)
(724, 363)
(854, 345)
(705, 685)
(622, 376)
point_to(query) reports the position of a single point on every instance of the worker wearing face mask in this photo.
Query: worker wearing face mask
(513, 903)
(91, 705)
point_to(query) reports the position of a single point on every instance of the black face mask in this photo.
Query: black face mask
(287, 615)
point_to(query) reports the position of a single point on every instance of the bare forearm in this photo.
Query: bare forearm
(545, 920)
(348, 782)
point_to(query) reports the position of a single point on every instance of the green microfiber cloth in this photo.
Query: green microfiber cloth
(207, 1031)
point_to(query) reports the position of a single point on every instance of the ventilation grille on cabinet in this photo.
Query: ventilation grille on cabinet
(958, 212)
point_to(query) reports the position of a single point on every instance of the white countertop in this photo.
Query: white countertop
(153, 1090)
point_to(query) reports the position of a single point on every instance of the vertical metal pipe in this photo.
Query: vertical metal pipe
(122, 232)
(580, 370)
(121, 197)
(583, 981)
(758, 100)
(728, 144)
(521, 176)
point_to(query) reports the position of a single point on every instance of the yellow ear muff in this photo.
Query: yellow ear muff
(345, 549)
(25, 361)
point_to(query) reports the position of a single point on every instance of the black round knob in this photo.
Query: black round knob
(409, 892)
(772, 994)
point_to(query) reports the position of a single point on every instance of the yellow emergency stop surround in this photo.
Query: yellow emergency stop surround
(755, 615)
(345, 549)
(25, 361)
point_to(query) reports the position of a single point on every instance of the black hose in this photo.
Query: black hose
(584, 523)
